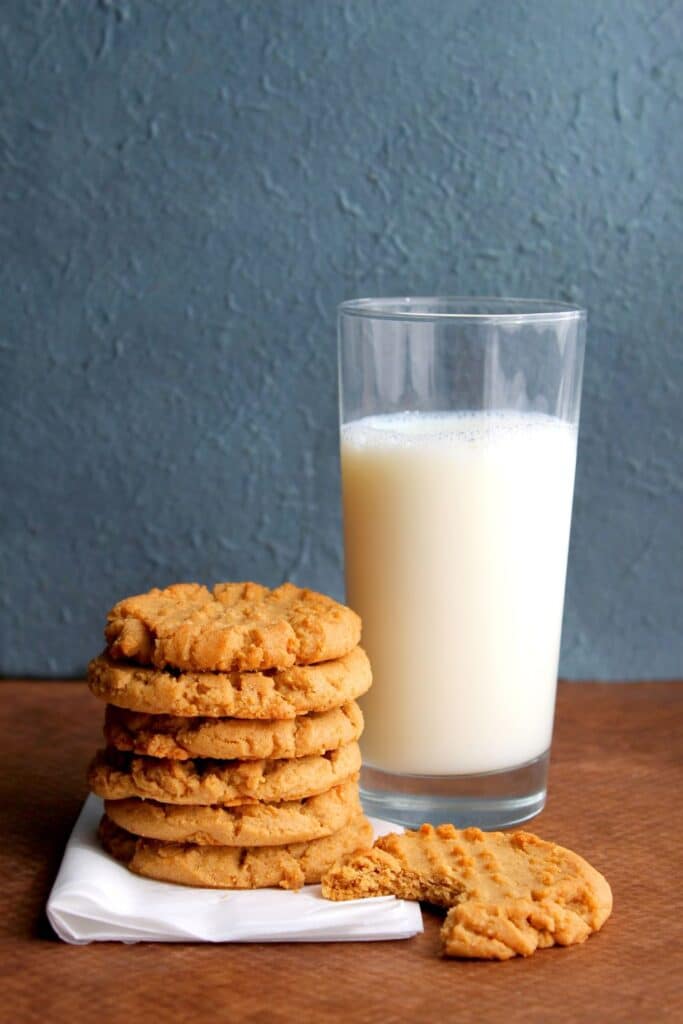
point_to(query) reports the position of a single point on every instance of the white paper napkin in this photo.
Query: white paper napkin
(96, 899)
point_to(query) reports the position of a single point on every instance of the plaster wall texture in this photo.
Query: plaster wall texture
(188, 189)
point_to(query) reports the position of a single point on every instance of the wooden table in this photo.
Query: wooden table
(616, 795)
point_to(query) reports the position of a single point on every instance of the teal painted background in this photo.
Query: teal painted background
(189, 189)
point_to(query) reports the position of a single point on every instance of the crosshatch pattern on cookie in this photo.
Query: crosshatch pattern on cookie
(242, 626)
(509, 894)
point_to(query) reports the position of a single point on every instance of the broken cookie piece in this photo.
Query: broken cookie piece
(508, 893)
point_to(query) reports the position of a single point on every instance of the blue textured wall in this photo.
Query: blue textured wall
(189, 189)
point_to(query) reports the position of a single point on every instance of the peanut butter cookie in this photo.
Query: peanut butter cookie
(232, 738)
(234, 867)
(255, 824)
(509, 894)
(283, 693)
(242, 626)
(114, 775)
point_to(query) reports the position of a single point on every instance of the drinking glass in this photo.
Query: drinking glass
(459, 421)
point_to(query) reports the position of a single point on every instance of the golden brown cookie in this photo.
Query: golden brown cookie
(280, 694)
(234, 867)
(232, 738)
(509, 893)
(258, 824)
(242, 626)
(114, 775)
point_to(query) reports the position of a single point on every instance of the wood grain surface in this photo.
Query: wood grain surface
(616, 796)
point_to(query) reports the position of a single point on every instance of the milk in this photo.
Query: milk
(456, 534)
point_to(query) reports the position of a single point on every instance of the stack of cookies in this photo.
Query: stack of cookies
(231, 725)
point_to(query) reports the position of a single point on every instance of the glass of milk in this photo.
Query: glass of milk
(459, 422)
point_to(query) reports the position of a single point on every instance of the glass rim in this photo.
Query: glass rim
(501, 309)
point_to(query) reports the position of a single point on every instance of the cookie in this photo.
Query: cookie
(114, 775)
(232, 738)
(257, 824)
(282, 694)
(242, 626)
(509, 893)
(234, 867)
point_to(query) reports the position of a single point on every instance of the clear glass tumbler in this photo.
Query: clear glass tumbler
(459, 422)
